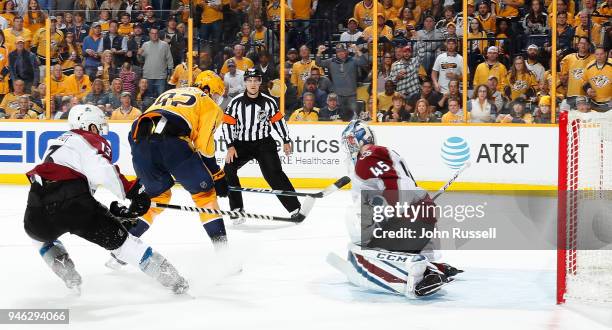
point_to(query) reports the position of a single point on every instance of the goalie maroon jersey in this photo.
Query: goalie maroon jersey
(378, 168)
(81, 154)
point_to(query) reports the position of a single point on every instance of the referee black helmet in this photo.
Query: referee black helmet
(252, 73)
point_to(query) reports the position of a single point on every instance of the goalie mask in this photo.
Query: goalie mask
(356, 135)
(83, 116)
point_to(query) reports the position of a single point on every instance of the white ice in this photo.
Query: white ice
(285, 282)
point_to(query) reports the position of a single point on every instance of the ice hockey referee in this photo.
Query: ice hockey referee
(246, 129)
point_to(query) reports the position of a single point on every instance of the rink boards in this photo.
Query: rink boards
(501, 156)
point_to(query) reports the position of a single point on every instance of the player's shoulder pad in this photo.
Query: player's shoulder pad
(98, 142)
(369, 162)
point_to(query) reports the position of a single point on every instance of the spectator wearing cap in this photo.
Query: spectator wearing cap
(211, 20)
(92, 50)
(180, 75)
(532, 63)
(292, 58)
(112, 99)
(491, 67)
(24, 110)
(242, 62)
(308, 112)
(454, 114)
(352, 34)
(583, 104)
(597, 84)
(126, 111)
(97, 93)
(175, 39)
(331, 111)
(301, 69)
(543, 115)
(157, 62)
(10, 102)
(343, 71)
(23, 65)
(405, 71)
(78, 84)
(233, 80)
(320, 96)
(115, 43)
(16, 31)
(448, 65)
(151, 21)
(385, 99)
(267, 71)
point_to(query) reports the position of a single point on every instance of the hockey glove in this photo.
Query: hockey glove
(221, 186)
(140, 200)
(127, 218)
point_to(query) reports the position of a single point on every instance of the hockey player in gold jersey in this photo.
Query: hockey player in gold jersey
(174, 140)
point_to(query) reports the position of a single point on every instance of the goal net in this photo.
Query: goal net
(584, 261)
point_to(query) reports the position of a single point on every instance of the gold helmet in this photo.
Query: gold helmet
(211, 80)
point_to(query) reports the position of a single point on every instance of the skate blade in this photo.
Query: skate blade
(113, 264)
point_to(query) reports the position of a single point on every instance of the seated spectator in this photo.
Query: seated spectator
(308, 112)
(423, 113)
(112, 99)
(242, 63)
(109, 71)
(384, 72)
(126, 27)
(496, 96)
(352, 34)
(96, 94)
(292, 58)
(301, 69)
(427, 93)
(543, 115)
(565, 34)
(64, 108)
(128, 78)
(267, 71)
(583, 104)
(10, 102)
(144, 99)
(331, 111)
(533, 64)
(78, 84)
(180, 75)
(454, 114)
(453, 92)
(24, 110)
(126, 111)
(234, 80)
(38, 99)
(320, 96)
(323, 83)
(583, 29)
(385, 99)
(397, 112)
(58, 81)
(481, 109)
(23, 65)
(518, 115)
(520, 82)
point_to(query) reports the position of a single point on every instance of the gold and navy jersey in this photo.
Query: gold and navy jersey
(598, 78)
(574, 66)
(187, 112)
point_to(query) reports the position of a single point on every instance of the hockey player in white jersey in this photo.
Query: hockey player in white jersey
(61, 200)
(398, 266)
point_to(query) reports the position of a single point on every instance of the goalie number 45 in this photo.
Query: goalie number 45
(380, 168)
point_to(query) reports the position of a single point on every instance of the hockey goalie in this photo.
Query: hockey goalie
(402, 266)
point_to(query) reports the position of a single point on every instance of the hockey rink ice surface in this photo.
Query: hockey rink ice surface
(285, 281)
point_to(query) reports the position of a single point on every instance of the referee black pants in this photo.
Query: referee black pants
(264, 152)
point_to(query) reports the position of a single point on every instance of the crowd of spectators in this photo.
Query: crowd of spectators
(121, 54)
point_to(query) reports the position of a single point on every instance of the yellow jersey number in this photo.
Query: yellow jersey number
(176, 100)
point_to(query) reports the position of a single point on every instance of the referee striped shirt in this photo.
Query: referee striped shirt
(250, 119)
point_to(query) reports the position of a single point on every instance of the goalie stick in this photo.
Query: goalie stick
(307, 205)
(343, 181)
(443, 189)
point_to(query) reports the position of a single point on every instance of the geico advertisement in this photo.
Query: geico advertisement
(522, 155)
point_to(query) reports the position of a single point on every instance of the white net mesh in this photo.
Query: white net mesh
(589, 208)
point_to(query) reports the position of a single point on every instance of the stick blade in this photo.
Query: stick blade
(343, 181)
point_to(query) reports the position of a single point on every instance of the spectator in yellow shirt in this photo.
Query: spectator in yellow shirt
(212, 18)
(11, 35)
(508, 8)
(491, 67)
(385, 99)
(58, 81)
(24, 110)
(308, 112)
(454, 114)
(4, 67)
(364, 13)
(242, 63)
(301, 69)
(10, 102)
(180, 75)
(303, 9)
(384, 31)
(8, 12)
(597, 82)
(78, 84)
(126, 111)
(125, 27)
(520, 82)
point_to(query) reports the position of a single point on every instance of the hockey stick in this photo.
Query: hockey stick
(295, 219)
(343, 181)
(443, 189)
